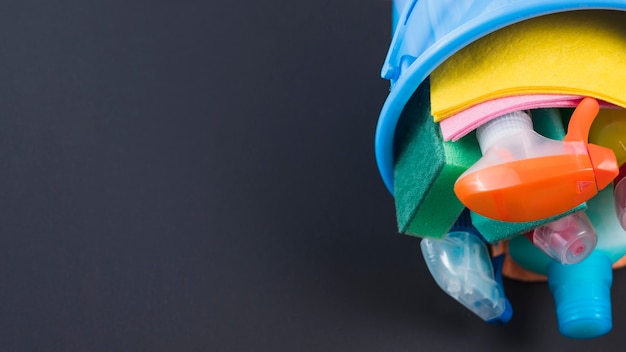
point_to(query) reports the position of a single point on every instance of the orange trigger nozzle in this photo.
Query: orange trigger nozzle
(581, 120)
(524, 176)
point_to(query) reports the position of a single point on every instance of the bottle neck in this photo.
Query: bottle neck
(501, 127)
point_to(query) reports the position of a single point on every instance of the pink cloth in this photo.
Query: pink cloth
(458, 125)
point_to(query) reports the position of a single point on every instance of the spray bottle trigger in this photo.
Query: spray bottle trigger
(581, 120)
(602, 159)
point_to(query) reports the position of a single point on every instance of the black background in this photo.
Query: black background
(200, 176)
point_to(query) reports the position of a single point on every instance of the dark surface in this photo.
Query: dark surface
(199, 176)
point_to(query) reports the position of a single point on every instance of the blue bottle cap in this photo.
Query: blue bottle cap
(582, 296)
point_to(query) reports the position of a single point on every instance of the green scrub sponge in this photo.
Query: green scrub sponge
(494, 230)
(548, 123)
(426, 169)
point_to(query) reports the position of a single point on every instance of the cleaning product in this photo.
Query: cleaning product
(461, 266)
(581, 291)
(523, 176)
(548, 123)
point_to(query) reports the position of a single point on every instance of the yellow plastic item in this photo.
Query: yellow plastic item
(609, 130)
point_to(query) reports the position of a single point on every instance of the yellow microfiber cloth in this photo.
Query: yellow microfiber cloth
(579, 52)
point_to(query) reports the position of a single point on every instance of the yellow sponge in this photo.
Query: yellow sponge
(580, 53)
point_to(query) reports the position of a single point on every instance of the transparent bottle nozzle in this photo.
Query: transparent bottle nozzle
(568, 240)
(461, 266)
(523, 176)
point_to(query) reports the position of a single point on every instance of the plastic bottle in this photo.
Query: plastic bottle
(524, 176)
(462, 267)
(581, 291)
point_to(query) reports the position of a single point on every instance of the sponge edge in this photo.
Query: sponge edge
(426, 169)
(494, 230)
(548, 123)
